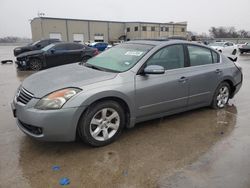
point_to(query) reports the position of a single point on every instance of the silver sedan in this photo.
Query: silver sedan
(129, 83)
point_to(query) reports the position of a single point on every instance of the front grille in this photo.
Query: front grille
(24, 96)
(30, 128)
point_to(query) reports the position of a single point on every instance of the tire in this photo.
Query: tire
(96, 129)
(221, 96)
(85, 58)
(234, 52)
(35, 64)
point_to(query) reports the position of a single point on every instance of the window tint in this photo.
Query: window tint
(74, 46)
(61, 47)
(43, 43)
(199, 56)
(216, 57)
(170, 57)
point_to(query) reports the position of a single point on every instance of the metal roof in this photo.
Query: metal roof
(139, 22)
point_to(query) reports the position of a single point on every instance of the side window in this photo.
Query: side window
(170, 57)
(43, 43)
(199, 55)
(74, 46)
(216, 57)
(61, 47)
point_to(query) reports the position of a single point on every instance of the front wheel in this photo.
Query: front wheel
(221, 96)
(102, 123)
(35, 64)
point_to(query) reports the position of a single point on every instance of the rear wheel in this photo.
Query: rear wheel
(35, 64)
(221, 96)
(102, 123)
(85, 58)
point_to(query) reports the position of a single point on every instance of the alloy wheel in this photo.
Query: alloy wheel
(104, 124)
(222, 97)
(35, 65)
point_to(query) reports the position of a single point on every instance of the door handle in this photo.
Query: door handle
(218, 71)
(183, 79)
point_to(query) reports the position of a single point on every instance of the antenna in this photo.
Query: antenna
(40, 14)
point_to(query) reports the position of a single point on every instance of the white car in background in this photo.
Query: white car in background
(229, 49)
(241, 44)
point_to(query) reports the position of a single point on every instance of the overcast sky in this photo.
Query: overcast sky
(200, 14)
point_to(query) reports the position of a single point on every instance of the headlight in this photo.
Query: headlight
(56, 99)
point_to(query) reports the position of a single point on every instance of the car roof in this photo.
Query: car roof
(57, 43)
(160, 42)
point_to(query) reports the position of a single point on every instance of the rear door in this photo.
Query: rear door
(164, 92)
(57, 55)
(205, 73)
(74, 53)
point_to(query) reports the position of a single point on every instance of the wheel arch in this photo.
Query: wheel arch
(232, 87)
(119, 98)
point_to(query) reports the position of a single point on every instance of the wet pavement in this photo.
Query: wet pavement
(200, 148)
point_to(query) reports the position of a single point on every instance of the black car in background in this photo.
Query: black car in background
(244, 48)
(38, 45)
(54, 55)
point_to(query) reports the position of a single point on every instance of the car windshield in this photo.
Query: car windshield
(216, 44)
(46, 48)
(119, 58)
(34, 43)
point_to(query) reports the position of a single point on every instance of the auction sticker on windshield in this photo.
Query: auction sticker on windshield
(134, 53)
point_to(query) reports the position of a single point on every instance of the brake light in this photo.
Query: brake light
(96, 52)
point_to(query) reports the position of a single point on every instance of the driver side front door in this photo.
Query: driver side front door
(156, 94)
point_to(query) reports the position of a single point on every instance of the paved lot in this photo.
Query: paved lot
(201, 148)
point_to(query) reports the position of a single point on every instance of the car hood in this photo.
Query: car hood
(73, 75)
(24, 48)
(35, 52)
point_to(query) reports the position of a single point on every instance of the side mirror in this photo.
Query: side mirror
(52, 51)
(38, 45)
(154, 69)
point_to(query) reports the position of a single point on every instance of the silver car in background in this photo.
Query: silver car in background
(129, 83)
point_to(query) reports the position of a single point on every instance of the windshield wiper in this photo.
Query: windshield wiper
(98, 68)
(92, 66)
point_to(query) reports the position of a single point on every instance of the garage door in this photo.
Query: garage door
(55, 36)
(78, 38)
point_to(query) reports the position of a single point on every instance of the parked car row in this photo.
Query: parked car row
(54, 55)
(53, 52)
(38, 45)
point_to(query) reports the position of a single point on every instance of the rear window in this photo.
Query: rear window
(74, 46)
(199, 55)
(216, 57)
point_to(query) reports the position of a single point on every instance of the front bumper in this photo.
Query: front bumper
(47, 125)
(21, 64)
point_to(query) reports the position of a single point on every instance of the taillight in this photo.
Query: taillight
(96, 52)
